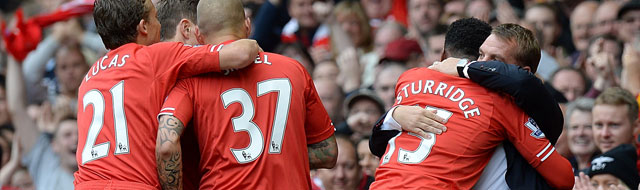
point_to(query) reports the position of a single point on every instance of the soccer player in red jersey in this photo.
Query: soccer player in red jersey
(262, 127)
(120, 95)
(477, 120)
(178, 18)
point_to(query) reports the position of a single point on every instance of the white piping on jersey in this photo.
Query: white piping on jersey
(163, 113)
(214, 48)
(172, 109)
(544, 150)
(548, 154)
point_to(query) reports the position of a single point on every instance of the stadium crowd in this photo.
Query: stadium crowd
(355, 51)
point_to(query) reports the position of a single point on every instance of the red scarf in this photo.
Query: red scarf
(25, 37)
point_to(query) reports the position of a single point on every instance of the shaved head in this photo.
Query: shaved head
(221, 17)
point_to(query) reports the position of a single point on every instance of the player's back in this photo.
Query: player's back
(117, 125)
(455, 159)
(253, 125)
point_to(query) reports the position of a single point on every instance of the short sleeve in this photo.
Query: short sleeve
(318, 125)
(182, 61)
(523, 132)
(179, 103)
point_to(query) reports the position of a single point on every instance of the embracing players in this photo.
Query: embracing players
(477, 120)
(262, 127)
(123, 91)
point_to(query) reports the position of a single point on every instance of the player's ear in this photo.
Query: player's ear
(247, 26)
(527, 68)
(185, 27)
(142, 27)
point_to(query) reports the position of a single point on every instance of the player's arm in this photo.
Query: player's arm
(181, 61)
(380, 138)
(537, 150)
(414, 119)
(239, 54)
(529, 92)
(168, 152)
(554, 168)
(17, 105)
(175, 114)
(323, 154)
(319, 130)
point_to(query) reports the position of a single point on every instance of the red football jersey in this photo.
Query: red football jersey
(477, 121)
(118, 101)
(253, 125)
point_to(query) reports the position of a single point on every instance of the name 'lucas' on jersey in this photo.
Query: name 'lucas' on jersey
(116, 61)
(442, 89)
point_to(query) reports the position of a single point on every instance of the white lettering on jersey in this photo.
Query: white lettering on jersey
(258, 60)
(99, 65)
(451, 93)
(264, 60)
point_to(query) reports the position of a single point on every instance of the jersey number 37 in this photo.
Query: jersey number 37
(244, 122)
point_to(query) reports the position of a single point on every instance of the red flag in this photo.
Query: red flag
(25, 37)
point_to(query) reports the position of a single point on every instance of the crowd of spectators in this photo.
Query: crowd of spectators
(355, 52)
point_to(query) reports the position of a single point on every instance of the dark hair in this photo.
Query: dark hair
(528, 49)
(465, 36)
(170, 12)
(116, 20)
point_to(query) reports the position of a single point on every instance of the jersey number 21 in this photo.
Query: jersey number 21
(91, 151)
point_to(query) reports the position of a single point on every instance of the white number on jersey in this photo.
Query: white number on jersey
(244, 122)
(91, 151)
(423, 150)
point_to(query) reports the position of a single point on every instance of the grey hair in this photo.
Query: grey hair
(581, 104)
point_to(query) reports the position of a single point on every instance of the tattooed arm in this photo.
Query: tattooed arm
(169, 153)
(323, 154)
